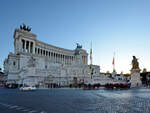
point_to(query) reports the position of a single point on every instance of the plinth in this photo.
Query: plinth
(135, 78)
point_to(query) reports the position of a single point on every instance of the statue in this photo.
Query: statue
(77, 52)
(135, 64)
(135, 73)
(25, 28)
(32, 62)
(79, 46)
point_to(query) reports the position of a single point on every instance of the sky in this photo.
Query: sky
(120, 26)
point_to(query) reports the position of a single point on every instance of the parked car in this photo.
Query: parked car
(28, 88)
(11, 86)
(2, 85)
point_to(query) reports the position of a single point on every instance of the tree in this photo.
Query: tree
(107, 72)
(144, 70)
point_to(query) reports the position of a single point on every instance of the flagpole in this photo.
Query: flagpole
(114, 62)
(91, 54)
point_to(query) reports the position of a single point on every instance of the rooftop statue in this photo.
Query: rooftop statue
(79, 46)
(135, 63)
(77, 52)
(25, 28)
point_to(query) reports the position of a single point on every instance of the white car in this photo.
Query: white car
(28, 88)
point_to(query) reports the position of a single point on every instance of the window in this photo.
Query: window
(45, 66)
(14, 63)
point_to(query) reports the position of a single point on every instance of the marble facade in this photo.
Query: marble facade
(37, 63)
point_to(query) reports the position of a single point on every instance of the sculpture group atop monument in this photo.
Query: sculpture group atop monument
(79, 46)
(25, 28)
(77, 52)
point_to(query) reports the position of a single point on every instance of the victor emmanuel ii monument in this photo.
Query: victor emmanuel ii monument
(37, 63)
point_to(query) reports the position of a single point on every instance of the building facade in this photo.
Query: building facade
(37, 63)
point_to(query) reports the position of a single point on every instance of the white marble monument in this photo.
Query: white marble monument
(37, 63)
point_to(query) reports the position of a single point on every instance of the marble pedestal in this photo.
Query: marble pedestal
(135, 78)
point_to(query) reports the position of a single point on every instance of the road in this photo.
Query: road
(74, 101)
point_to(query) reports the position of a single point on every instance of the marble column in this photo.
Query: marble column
(69, 60)
(65, 59)
(22, 45)
(86, 59)
(29, 47)
(33, 48)
(58, 58)
(25, 45)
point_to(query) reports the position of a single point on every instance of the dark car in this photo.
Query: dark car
(12, 86)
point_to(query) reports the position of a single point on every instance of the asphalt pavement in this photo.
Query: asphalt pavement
(75, 101)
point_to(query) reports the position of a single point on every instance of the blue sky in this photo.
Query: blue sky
(120, 26)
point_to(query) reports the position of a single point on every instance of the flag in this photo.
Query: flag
(113, 62)
(91, 53)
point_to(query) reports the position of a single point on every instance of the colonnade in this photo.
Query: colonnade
(27, 46)
(84, 59)
(59, 57)
(56, 57)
